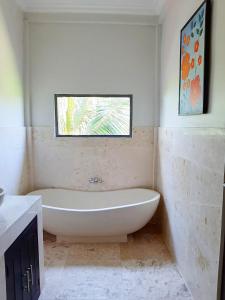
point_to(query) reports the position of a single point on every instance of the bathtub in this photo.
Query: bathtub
(96, 216)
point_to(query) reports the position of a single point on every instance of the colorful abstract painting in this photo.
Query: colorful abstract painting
(193, 63)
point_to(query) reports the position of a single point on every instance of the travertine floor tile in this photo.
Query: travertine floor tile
(138, 270)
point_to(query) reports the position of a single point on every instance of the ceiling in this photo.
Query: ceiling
(136, 7)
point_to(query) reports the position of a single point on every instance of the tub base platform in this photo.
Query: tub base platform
(92, 239)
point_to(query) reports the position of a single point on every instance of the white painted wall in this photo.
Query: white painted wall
(13, 162)
(183, 9)
(92, 58)
(68, 55)
(11, 61)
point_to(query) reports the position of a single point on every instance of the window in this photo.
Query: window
(93, 115)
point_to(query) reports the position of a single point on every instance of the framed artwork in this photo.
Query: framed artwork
(194, 62)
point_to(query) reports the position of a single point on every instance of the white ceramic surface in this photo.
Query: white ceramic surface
(97, 214)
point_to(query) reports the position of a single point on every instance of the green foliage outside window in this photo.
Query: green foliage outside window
(91, 115)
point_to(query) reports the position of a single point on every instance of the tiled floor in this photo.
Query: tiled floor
(138, 270)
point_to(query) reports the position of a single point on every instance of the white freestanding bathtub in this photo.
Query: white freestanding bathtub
(96, 216)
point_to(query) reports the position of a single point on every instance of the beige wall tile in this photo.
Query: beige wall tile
(190, 178)
(70, 162)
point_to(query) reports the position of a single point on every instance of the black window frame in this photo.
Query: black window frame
(130, 96)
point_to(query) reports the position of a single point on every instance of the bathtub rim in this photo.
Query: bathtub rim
(156, 198)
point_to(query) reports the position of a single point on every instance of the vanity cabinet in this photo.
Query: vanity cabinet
(22, 266)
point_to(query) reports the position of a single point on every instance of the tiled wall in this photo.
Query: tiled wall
(14, 176)
(190, 178)
(70, 162)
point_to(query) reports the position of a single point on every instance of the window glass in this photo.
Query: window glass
(101, 115)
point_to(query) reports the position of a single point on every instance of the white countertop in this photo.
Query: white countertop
(16, 213)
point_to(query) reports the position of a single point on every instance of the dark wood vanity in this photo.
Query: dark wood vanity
(22, 266)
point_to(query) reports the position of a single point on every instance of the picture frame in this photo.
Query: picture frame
(194, 62)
